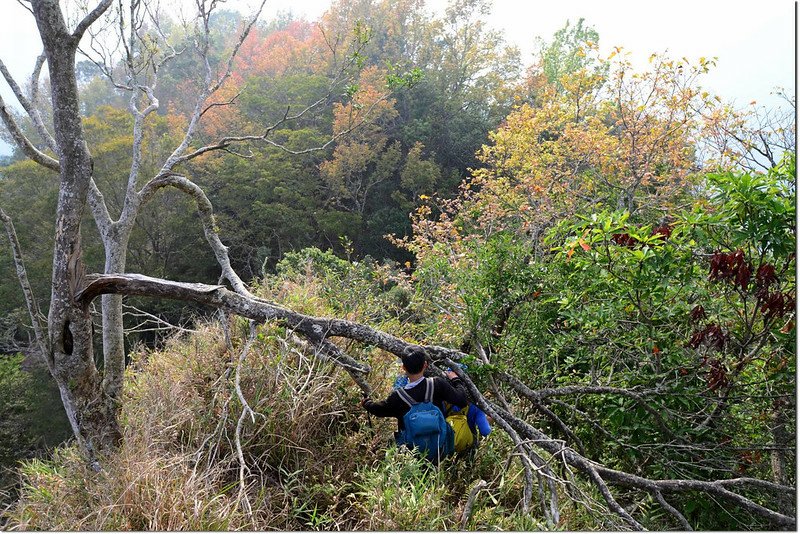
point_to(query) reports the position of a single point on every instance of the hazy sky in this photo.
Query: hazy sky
(754, 41)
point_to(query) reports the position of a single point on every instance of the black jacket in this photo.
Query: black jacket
(451, 391)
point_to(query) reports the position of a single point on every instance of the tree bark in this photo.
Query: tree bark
(111, 308)
(88, 409)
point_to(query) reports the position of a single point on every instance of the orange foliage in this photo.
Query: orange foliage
(279, 51)
(223, 112)
(274, 54)
(369, 105)
(365, 157)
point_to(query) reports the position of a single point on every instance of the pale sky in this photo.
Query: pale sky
(754, 41)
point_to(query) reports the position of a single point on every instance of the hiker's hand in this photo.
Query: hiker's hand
(450, 374)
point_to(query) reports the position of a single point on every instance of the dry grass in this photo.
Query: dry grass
(177, 468)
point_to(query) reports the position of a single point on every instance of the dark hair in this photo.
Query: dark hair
(413, 361)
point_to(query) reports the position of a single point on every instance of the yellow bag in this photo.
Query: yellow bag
(463, 435)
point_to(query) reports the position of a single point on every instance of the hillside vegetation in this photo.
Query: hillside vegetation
(609, 251)
(301, 454)
(312, 460)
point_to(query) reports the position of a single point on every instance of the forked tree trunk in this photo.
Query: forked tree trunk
(88, 408)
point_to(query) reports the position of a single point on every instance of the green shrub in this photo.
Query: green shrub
(32, 419)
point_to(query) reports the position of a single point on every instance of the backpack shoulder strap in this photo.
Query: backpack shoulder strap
(406, 397)
(429, 390)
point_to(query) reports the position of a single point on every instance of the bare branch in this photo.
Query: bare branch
(206, 212)
(226, 142)
(246, 410)
(229, 102)
(36, 115)
(314, 328)
(473, 493)
(335, 137)
(37, 72)
(248, 27)
(756, 482)
(177, 155)
(89, 19)
(27, 7)
(149, 318)
(494, 387)
(24, 143)
(671, 509)
(99, 209)
(39, 328)
(538, 395)
(136, 149)
(613, 505)
(105, 63)
(30, 105)
(330, 351)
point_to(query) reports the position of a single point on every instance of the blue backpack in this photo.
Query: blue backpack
(425, 426)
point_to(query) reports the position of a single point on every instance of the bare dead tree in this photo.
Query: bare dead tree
(116, 35)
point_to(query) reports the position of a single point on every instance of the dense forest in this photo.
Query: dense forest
(255, 218)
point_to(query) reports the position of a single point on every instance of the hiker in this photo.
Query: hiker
(466, 427)
(414, 398)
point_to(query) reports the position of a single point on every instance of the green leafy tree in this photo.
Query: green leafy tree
(572, 49)
(649, 344)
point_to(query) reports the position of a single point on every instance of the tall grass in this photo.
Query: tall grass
(177, 468)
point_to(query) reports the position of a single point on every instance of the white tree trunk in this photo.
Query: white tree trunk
(113, 332)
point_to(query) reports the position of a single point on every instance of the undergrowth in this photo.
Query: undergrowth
(313, 460)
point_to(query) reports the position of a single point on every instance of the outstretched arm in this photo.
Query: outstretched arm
(391, 407)
(480, 420)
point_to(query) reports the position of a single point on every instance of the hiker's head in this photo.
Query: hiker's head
(414, 362)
